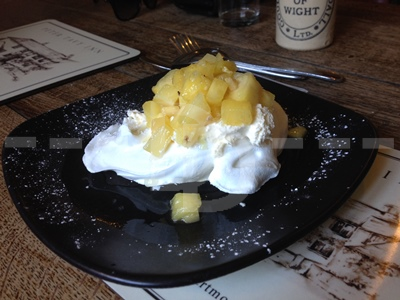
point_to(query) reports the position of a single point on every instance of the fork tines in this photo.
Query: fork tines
(184, 43)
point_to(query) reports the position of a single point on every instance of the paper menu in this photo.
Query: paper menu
(48, 52)
(355, 254)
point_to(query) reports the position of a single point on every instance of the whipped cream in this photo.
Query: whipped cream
(235, 159)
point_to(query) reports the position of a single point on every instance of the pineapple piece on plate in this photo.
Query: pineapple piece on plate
(185, 207)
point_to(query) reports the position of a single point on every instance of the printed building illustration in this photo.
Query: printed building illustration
(348, 263)
(20, 56)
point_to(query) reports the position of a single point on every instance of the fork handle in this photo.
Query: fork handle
(243, 67)
(291, 73)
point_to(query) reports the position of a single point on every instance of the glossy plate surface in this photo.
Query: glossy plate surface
(121, 231)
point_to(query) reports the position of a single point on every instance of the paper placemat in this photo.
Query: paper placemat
(49, 52)
(353, 255)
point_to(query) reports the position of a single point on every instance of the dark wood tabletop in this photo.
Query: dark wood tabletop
(366, 51)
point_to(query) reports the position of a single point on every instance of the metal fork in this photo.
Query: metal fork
(186, 44)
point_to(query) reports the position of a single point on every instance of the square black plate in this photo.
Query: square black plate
(121, 231)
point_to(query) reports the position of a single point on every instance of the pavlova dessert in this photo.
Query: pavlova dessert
(205, 122)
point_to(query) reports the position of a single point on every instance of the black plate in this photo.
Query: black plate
(121, 231)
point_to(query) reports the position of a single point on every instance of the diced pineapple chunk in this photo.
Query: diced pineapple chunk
(167, 95)
(217, 91)
(232, 83)
(224, 66)
(187, 71)
(267, 98)
(197, 112)
(151, 111)
(212, 59)
(297, 132)
(248, 89)
(161, 134)
(188, 134)
(236, 113)
(185, 207)
(216, 112)
(170, 111)
(200, 101)
(195, 84)
(191, 114)
(166, 79)
(206, 65)
(182, 101)
(178, 79)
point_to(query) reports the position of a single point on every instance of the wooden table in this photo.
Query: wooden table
(366, 51)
